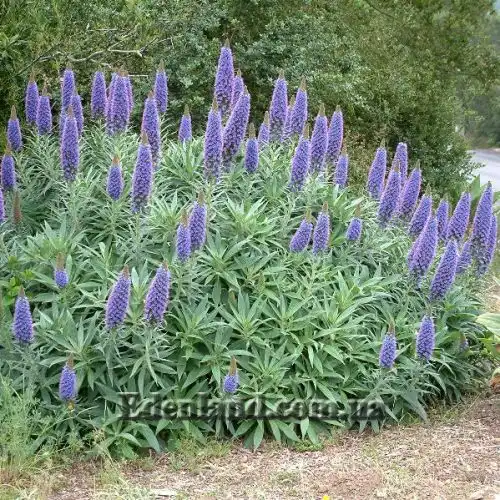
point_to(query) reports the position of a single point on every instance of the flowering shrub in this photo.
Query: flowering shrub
(194, 278)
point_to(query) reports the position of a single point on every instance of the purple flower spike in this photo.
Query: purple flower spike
(278, 109)
(401, 159)
(263, 138)
(118, 300)
(460, 219)
(142, 178)
(231, 380)
(409, 196)
(70, 154)
(387, 354)
(14, 137)
(60, 275)
(44, 113)
(119, 111)
(342, 170)
(423, 250)
(426, 338)
(161, 88)
(111, 91)
(130, 93)
(151, 127)
(114, 186)
(354, 229)
(464, 343)
(22, 326)
(376, 175)
(465, 259)
(185, 132)
(390, 196)
(62, 120)
(235, 129)
(445, 272)
(98, 99)
(238, 86)
(68, 87)
(158, 295)
(321, 234)
(420, 216)
(212, 154)
(67, 382)
(319, 140)
(198, 223)
(8, 176)
(2, 207)
(485, 259)
(442, 218)
(251, 151)
(299, 112)
(335, 137)
(183, 241)
(224, 80)
(300, 162)
(76, 104)
(300, 240)
(31, 100)
(482, 223)
(287, 131)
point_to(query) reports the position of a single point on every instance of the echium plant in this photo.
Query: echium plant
(238, 86)
(287, 130)
(319, 142)
(409, 195)
(98, 99)
(198, 223)
(76, 105)
(157, 298)
(278, 109)
(142, 178)
(442, 218)
(67, 87)
(118, 300)
(68, 382)
(14, 137)
(342, 169)
(161, 88)
(355, 227)
(299, 111)
(183, 239)
(212, 152)
(426, 339)
(251, 151)
(302, 236)
(423, 250)
(70, 149)
(335, 137)
(321, 234)
(119, 112)
(420, 216)
(300, 162)
(465, 258)
(376, 175)
(481, 225)
(8, 171)
(387, 355)
(31, 100)
(232, 379)
(235, 129)
(151, 126)
(185, 130)
(114, 185)
(390, 196)
(445, 272)
(22, 326)
(263, 137)
(224, 77)
(457, 225)
(485, 258)
(44, 113)
(61, 278)
(401, 159)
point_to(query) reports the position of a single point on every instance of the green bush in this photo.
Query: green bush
(300, 327)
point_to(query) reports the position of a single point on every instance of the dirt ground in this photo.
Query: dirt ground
(455, 456)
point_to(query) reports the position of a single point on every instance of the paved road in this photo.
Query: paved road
(490, 158)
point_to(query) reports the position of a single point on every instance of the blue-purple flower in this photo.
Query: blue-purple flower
(409, 195)
(376, 175)
(319, 142)
(342, 170)
(235, 129)
(445, 272)
(61, 278)
(420, 216)
(161, 88)
(231, 380)
(465, 258)
(67, 88)
(300, 162)
(299, 111)
(482, 223)
(251, 151)
(183, 240)
(3, 218)
(158, 294)
(321, 234)
(278, 109)
(442, 218)
(224, 77)
(14, 137)
(401, 159)
(22, 326)
(287, 131)
(118, 300)
(114, 185)
(119, 111)
(76, 104)
(67, 382)
(423, 250)
(426, 338)
(151, 127)
(263, 137)
(142, 178)
(212, 154)
(388, 349)
(31, 100)
(459, 221)
(238, 86)
(185, 131)
(301, 238)
(354, 229)
(486, 258)
(335, 137)
(198, 223)
(390, 196)
(44, 113)
(70, 151)
(8, 176)
(98, 98)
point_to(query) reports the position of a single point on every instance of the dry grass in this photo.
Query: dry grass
(455, 457)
